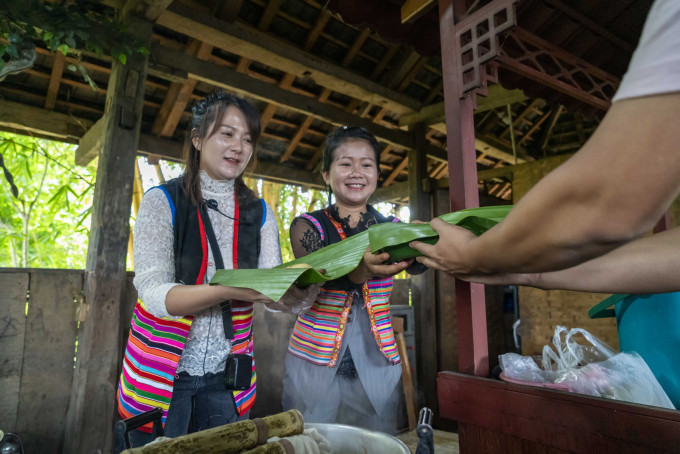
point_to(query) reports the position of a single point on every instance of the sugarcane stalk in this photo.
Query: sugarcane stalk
(230, 438)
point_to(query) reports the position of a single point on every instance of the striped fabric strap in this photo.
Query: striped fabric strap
(316, 224)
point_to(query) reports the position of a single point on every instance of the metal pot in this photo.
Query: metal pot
(354, 440)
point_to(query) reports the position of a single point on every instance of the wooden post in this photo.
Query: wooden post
(460, 138)
(422, 285)
(92, 406)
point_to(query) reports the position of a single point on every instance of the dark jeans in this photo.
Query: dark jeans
(198, 403)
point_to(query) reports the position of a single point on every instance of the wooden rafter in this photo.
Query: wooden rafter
(295, 141)
(316, 157)
(411, 74)
(230, 79)
(520, 118)
(405, 66)
(314, 33)
(591, 24)
(395, 173)
(267, 115)
(242, 40)
(436, 90)
(545, 137)
(268, 15)
(356, 46)
(243, 64)
(534, 128)
(413, 9)
(179, 95)
(55, 78)
(22, 117)
(380, 67)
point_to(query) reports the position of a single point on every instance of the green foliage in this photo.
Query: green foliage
(293, 202)
(46, 224)
(64, 25)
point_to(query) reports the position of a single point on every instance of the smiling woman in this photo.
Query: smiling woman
(185, 230)
(342, 362)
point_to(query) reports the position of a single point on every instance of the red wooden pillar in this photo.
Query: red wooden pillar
(465, 73)
(473, 351)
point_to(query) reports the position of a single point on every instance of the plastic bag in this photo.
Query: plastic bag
(588, 367)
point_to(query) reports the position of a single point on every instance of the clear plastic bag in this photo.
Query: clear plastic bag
(587, 366)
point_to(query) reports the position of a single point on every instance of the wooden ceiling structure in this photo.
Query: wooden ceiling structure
(533, 79)
(310, 67)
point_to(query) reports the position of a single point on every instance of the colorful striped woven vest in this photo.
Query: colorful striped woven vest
(155, 344)
(318, 333)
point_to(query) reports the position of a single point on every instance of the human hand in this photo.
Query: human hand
(373, 266)
(449, 253)
(247, 294)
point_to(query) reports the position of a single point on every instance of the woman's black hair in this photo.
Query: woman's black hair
(206, 112)
(340, 136)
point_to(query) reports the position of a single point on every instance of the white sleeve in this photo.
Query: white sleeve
(270, 245)
(655, 66)
(154, 255)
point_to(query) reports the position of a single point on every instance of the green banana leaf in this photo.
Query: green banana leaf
(394, 238)
(342, 258)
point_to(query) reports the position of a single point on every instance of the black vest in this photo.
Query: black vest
(191, 242)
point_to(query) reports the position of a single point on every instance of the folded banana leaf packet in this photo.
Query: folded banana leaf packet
(342, 258)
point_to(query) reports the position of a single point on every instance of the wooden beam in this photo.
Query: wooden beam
(356, 46)
(493, 147)
(413, 9)
(396, 191)
(380, 67)
(519, 118)
(55, 77)
(98, 359)
(147, 9)
(596, 28)
(296, 138)
(318, 154)
(48, 123)
(408, 61)
(90, 144)
(229, 10)
(230, 79)
(497, 96)
(242, 40)
(527, 135)
(395, 173)
(545, 137)
(412, 74)
(179, 95)
(422, 285)
(314, 33)
(267, 115)
(269, 14)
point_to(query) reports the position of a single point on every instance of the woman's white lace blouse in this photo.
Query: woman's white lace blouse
(206, 348)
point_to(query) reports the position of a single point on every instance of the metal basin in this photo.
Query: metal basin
(354, 440)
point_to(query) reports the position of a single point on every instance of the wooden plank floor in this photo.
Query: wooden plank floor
(444, 442)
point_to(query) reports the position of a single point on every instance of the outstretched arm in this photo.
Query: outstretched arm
(611, 192)
(646, 265)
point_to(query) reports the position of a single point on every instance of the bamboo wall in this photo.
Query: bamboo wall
(541, 311)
